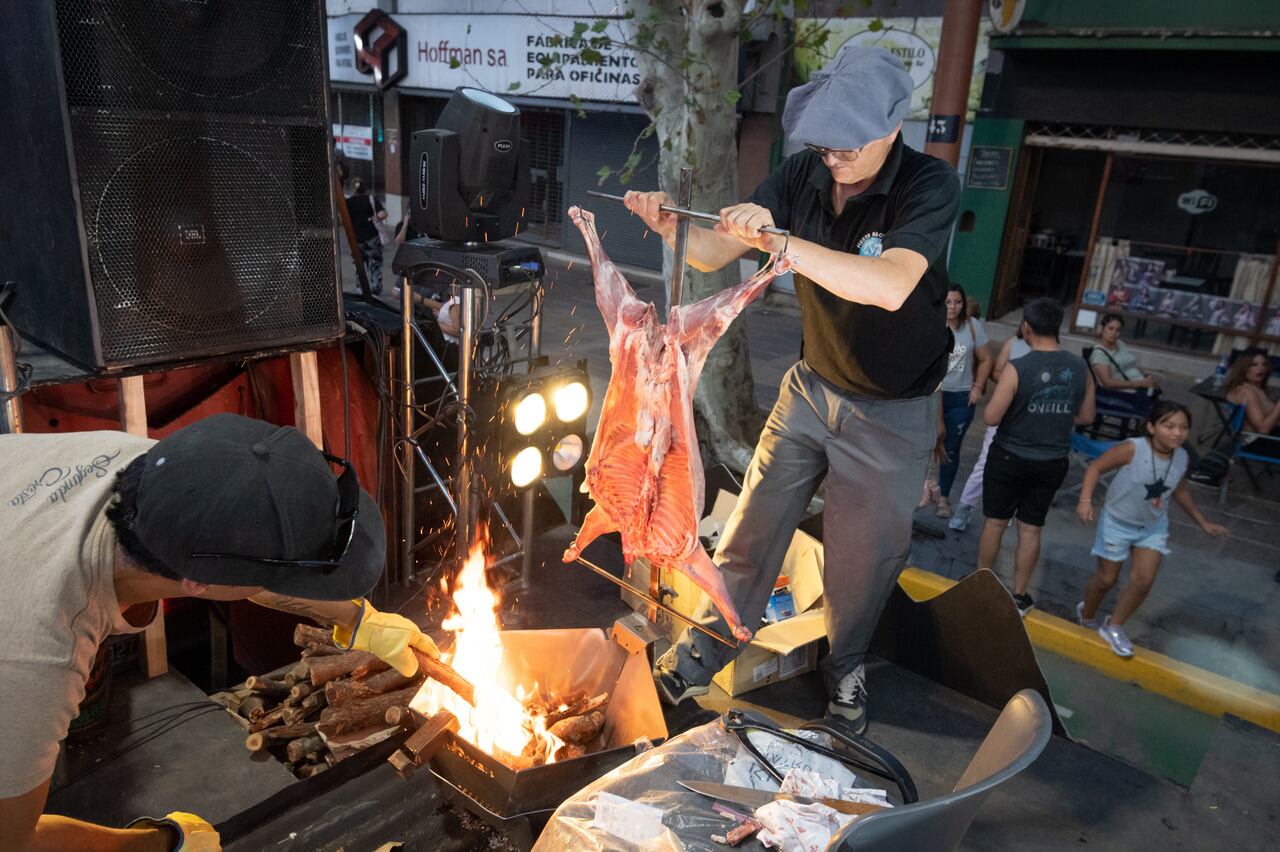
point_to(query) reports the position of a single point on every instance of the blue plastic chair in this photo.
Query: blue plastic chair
(1245, 453)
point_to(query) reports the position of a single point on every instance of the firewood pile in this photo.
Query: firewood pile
(333, 703)
(321, 711)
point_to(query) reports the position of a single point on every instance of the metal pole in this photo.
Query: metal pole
(681, 248)
(9, 382)
(407, 522)
(465, 349)
(530, 495)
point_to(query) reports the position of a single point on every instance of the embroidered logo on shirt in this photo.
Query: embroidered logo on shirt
(871, 245)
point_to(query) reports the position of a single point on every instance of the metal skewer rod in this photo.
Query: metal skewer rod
(679, 616)
(692, 214)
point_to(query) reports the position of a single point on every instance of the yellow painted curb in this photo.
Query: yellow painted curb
(1152, 672)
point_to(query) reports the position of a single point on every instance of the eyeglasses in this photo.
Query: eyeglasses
(842, 155)
(345, 514)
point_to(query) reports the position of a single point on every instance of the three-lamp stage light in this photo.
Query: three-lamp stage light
(544, 423)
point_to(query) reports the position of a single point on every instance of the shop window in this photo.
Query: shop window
(1187, 250)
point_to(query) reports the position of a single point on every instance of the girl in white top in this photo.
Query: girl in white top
(1134, 522)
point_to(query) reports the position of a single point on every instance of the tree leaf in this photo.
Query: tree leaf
(876, 26)
(600, 25)
(513, 86)
(603, 173)
(592, 56)
(454, 63)
(732, 97)
(579, 27)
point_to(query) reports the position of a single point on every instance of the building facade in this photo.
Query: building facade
(1126, 158)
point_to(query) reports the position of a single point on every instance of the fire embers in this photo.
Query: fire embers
(519, 727)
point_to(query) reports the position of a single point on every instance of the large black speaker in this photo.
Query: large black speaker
(166, 189)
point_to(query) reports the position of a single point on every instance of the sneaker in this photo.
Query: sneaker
(673, 687)
(1025, 603)
(960, 520)
(1091, 623)
(850, 701)
(1116, 638)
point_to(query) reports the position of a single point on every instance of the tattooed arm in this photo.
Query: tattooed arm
(324, 613)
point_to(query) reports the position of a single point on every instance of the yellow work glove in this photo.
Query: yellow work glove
(389, 636)
(194, 834)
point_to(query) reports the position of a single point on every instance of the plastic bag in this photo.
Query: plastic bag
(641, 806)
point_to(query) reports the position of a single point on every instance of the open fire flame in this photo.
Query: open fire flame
(499, 722)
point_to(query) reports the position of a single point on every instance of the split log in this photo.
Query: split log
(267, 687)
(341, 691)
(261, 739)
(307, 707)
(299, 673)
(579, 730)
(269, 719)
(309, 634)
(253, 707)
(362, 713)
(342, 746)
(311, 769)
(300, 691)
(578, 707)
(325, 669)
(303, 748)
(443, 673)
(314, 649)
(569, 751)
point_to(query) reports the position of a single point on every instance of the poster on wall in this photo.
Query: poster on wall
(354, 141)
(913, 40)
(1272, 328)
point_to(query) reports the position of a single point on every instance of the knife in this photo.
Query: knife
(755, 798)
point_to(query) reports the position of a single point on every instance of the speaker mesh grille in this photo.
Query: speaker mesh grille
(202, 151)
(245, 56)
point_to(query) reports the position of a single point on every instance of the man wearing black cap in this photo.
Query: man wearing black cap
(100, 526)
(869, 220)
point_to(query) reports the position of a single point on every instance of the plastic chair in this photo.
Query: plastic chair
(1014, 742)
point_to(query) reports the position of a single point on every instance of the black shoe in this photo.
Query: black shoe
(850, 701)
(674, 688)
(1025, 603)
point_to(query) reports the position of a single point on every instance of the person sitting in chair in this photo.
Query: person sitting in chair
(1114, 364)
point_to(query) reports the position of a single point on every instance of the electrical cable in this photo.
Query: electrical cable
(166, 726)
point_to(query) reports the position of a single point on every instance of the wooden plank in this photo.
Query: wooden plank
(133, 419)
(306, 395)
(9, 382)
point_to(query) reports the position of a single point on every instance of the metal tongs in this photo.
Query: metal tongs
(861, 755)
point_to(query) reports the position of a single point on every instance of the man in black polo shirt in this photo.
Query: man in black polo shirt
(869, 219)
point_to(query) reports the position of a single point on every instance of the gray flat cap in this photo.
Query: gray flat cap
(861, 95)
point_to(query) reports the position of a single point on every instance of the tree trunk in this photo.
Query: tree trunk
(697, 128)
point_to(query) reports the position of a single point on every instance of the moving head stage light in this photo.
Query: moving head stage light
(471, 172)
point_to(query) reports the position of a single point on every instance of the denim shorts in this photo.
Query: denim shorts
(1115, 537)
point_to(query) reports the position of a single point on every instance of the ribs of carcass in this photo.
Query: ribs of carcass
(644, 471)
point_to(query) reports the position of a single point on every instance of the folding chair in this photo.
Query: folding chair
(1083, 451)
(1128, 409)
(1239, 450)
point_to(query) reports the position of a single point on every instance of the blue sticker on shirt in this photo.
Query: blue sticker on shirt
(871, 245)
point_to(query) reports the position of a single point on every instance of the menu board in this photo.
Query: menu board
(989, 167)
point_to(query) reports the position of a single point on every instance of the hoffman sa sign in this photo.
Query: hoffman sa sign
(507, 54)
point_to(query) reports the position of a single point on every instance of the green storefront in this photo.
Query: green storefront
(1126, 157)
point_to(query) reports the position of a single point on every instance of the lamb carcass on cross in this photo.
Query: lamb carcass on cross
(644, 471)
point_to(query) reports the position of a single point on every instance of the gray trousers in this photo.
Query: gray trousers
(875, 454)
